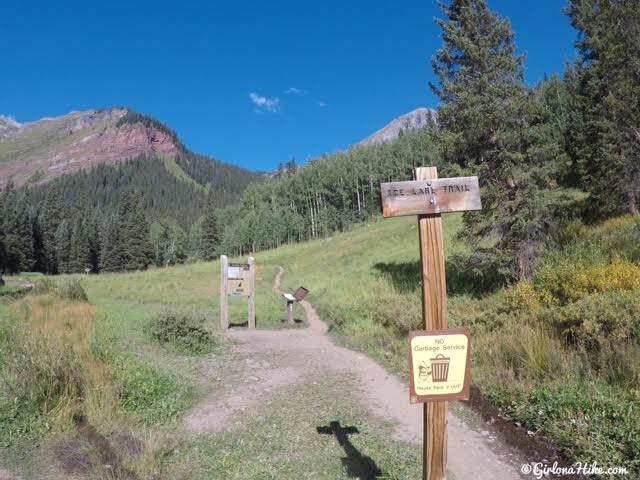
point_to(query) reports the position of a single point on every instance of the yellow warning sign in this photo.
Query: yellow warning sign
(440, 365)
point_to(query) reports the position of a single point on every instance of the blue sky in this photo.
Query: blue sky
(252, 83)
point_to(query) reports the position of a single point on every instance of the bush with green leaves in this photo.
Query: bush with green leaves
(44, 286)
(588, 419)
(567, 282)
(70, 289)
(598, 321)
(183, 331)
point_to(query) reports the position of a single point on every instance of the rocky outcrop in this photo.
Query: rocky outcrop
(410, 122)
(51, 147)
(8, 127)
(112, 145)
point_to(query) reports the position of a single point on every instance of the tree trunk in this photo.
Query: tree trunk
(371, 194)
(313, 223)
(632, 203)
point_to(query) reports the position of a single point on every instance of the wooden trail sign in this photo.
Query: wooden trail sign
(237, 280)
(422, 196)
(428, 197)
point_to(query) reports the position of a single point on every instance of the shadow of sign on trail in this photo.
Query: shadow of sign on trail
(355, 464)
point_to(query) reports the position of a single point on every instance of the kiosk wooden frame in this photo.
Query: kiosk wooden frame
(237, 280)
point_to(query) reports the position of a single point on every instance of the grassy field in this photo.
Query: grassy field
(558, 354)
(141, 389)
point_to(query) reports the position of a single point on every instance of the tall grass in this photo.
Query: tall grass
(559, 354)
(55, 369)
(48, 367)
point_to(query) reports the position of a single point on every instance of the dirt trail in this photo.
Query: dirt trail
(296, 354)
(4, 475)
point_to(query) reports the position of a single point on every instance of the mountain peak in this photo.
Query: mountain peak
(8, 127)
(415, 120)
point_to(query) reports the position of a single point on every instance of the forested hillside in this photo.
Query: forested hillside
(164, 202)
(547, 156)
(329, 194)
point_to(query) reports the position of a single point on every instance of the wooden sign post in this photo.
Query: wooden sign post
(428, 197)
(237, 280)
(298, 296)
(224, 300)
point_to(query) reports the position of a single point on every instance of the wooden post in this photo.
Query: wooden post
(435, 317)
(428, 197)
(224, 299)
(290, 319)
(251, 323)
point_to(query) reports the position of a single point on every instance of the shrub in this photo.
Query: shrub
(618, 365)
(182, 330)
(520, 351)
(45, 286)
(598, 320)
(400, 312)
(480, 272)
(589, 419)
(571, 231)
(620, 235)
(72, 290)
(567, 282)
(11, 293)
(522, 297)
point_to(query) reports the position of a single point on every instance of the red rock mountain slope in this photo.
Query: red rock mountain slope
(38, 151)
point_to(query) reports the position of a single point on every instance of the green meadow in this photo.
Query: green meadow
(558, 354)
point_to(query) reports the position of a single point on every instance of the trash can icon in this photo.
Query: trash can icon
(440, 368)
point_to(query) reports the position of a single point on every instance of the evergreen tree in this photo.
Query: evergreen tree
(24, 227)
(111, 252)
(62, 247)
(13, 238)
(95, 247)
(481, 87)
(280, 171)
(39, 251)
(484, 119)
(79, 252)
(134, 230)
(51, 216)
(292, 167)
(605, 138)
(549, 115)
(4, 210)
(210, 234)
